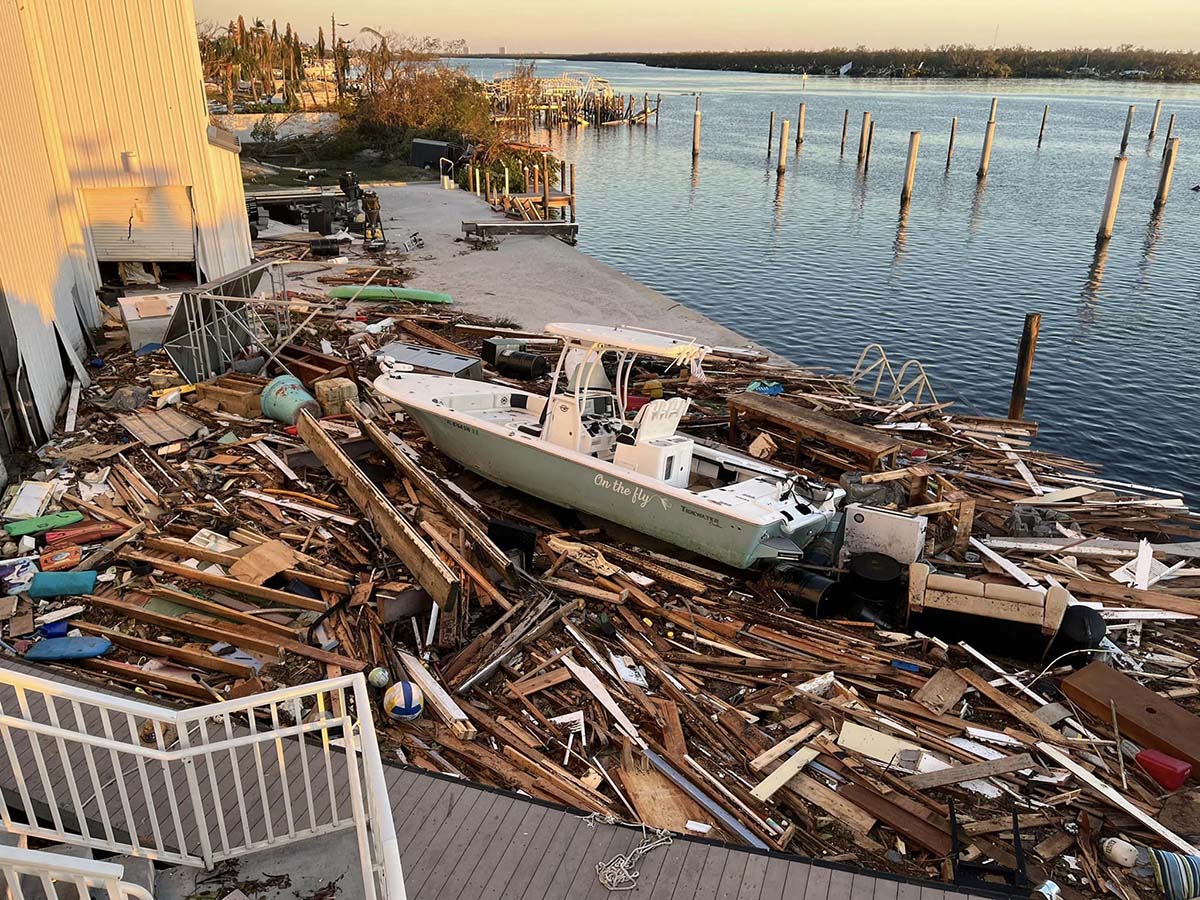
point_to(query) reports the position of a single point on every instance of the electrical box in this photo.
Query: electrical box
(430, 361)
(869, 529)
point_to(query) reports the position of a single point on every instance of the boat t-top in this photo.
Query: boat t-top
(585, 447)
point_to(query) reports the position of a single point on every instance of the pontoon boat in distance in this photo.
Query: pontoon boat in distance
(580, 450)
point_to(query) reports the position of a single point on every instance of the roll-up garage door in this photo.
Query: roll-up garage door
(144, 224)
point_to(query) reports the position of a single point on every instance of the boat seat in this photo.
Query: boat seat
(657, 419)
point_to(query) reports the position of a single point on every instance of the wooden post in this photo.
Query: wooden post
(1042, 130)
(645, 109)
(1016, 404)
(985, 159)
(783, 142)
(537, 180)
(862, 138)
(546, 191)
(1168, 168)
(525, 179)
(950, 148)
(870, 143)
(845, 125)
(992, 114)
(800, 126)
(1115, 181)
(657, 107)
(696, 130)
(471, 179)
(506, 181)
(572, 197)
(478, 183)
(562, 176)
(771, 132)
(910, 167)
(1170, 132)
(1154, 120)
(488, 183)
(1128, 125)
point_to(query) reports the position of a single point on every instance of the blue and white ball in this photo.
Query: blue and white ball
(404, 701)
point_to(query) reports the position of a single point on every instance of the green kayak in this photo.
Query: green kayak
(382, 292)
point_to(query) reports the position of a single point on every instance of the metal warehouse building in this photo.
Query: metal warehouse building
(106, 155)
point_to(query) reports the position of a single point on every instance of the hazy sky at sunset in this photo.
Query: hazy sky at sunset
(588, 25)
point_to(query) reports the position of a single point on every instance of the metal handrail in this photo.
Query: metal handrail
(113, 754)
(83, 876)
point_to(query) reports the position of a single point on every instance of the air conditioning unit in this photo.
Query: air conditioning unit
(869, 529)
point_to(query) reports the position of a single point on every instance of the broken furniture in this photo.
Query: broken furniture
(929, 590)
(876, 449)
(235, 393)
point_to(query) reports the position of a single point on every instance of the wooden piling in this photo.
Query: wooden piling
(985, 158)
(950, 147)
(1154, 119)
(657, 107)
(992, 114)
(1128, 125)
(562, 176)
(696, 130)
(546, 192)
(571, 198)
(537, 171)
(800, 126)
(771, 132)
(910, 167)
(1170, 133)
(1168, 168)
(471, 179)
(862, 138)
(645, 110)
(1042, 130)
(488, 184)
(1029, 337)
(506, 181)
(870, 143)
(1113, 200)
(845, 125)
(783, 142)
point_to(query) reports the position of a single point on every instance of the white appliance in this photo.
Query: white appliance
(870, 529)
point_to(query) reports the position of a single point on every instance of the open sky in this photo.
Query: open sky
(529, 26)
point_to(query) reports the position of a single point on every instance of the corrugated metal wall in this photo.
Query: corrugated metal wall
(37, 273)
(126, 79)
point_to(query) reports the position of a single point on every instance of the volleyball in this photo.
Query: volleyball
(404, 701)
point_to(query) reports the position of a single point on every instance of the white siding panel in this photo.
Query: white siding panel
(128, 80)
(147, 224)
(37, 275)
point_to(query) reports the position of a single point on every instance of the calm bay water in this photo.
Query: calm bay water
(820, 263)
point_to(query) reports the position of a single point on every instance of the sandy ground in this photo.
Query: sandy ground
(530, 280)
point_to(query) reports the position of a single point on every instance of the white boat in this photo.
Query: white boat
(580, 448)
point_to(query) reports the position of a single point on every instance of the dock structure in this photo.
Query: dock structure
(455, 838)
(527, 103)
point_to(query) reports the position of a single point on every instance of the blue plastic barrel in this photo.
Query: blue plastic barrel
(284, 397)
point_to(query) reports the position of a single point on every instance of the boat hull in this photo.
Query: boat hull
(521, 462)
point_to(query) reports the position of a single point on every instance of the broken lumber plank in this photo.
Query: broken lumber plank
(959, 774)
(540, 682)
(1012, 706)
(596, 688)
(1134, 597)
(397, 532)
(253, 641)
(437, 697)
(483, 544)
(788, 744)
(220, 611)
(783, 773)
(129, 674)
(942, 691)
(232, 585)
(197, 659)
(585, 590)
(1144, 716)
(1115, 798)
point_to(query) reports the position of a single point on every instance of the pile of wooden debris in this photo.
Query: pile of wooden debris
(594, 668)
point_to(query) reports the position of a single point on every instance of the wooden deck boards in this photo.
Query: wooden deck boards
(456, 839)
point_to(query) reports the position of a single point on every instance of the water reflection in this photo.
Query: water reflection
(901, 233)
(780, 183)
(1154, 233)
(977, 207)
(1095, 275)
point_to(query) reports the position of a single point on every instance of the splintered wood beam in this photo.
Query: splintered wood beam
(483, 544)
(959, 774)
(232, 585)
(397, 533)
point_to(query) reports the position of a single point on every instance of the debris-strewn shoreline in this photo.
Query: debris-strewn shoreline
(793, 710)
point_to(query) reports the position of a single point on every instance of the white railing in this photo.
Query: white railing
(26, 870)
(201, 785)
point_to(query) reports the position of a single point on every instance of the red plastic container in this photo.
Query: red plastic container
(1169, 772)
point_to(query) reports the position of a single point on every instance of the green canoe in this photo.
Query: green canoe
(382, 292)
